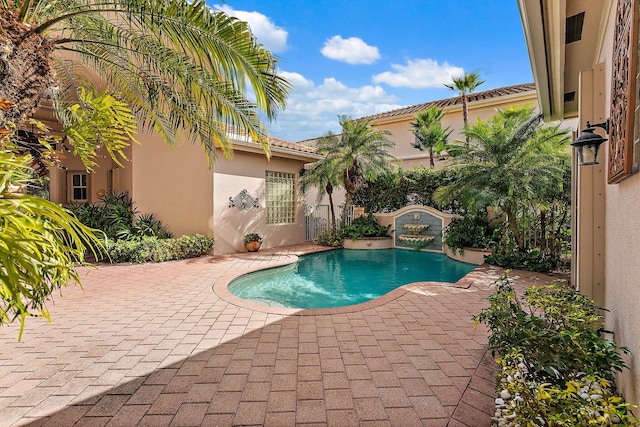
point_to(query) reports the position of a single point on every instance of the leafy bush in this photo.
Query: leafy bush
(470, 231)
(117, 217)
(392, 191)
(152, 249)
(365, 226)
(553, 360)
(506, 254)
(329, 238)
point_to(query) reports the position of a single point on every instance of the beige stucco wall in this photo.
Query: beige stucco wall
(400, 126)
(173, 183)
(622, 277)
(58, 187)
(622, 255)
(247, 171)
(176, 185)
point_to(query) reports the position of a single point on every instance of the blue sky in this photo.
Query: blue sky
(362, 57)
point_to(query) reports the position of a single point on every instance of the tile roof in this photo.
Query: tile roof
(281, 143)
(488, 94)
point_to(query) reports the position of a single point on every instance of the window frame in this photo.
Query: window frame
(280, 208)
(71, 187)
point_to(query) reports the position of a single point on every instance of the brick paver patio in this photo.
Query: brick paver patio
(154, 345)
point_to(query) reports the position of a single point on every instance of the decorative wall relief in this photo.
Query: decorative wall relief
(623, 92)
(243, 201)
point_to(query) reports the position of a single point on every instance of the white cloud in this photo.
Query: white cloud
(352, 50)
(297, 80)
(312, 109)
(273, 38)
(419, 74)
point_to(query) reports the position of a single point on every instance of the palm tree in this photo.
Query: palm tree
(429, 132)
(358, 154)
(176, 66)
(325, 178)
(181, 67)
(464, 86)
(511, 162)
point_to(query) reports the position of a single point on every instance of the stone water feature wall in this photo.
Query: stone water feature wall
(413, 218)
(417, 223)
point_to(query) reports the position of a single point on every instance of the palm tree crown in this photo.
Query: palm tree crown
(510, 162)
(429, 133)
(181, 67)
(359, 153)
(464, 86)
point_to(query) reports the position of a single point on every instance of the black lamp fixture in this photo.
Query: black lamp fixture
(589, 142)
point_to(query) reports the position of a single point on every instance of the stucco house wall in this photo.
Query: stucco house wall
(622, 249)
(606, 256)
(482, 104)
(246, 171)
(178, 187)
(173, 183)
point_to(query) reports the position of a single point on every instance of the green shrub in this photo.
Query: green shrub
(506, 254)
(152, 249)
(471, 231)
(365, 226)
(329, 238)
(117, 217)
(553, 360)
(392, 191)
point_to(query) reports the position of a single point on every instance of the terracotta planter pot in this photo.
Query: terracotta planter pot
(253, 246)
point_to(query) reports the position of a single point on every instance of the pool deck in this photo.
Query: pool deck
(167, 345)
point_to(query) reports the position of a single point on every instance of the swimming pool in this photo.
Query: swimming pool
(345, 277)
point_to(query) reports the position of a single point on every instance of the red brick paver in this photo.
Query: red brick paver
(168, 345)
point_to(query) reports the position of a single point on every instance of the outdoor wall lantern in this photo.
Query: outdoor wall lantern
(589, 142)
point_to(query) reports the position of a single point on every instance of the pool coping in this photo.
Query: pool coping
(220, 288)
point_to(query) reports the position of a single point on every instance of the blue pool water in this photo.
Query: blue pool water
(345, 277)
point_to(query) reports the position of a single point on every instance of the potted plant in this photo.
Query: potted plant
(252, 241)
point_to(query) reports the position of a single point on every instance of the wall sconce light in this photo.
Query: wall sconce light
(589, 142)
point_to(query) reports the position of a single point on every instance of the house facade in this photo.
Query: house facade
(584, 56)
(246, 193)
(479, 105)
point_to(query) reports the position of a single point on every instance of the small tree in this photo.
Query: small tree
(359, 153)
(322, 176)
(464, 86)
(511, 163)
(429, 133)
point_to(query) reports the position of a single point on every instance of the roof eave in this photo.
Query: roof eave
(510, 98)
(288, 153)
(543, 22)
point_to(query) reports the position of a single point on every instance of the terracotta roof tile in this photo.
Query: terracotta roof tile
(488, 94)
(277, 142)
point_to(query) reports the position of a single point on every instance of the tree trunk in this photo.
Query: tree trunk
(543, 229)
(513, 225)
(329, 189)
(431, 162)
(465, 114)
(347, 205)
(352, 183)
(25, 73)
